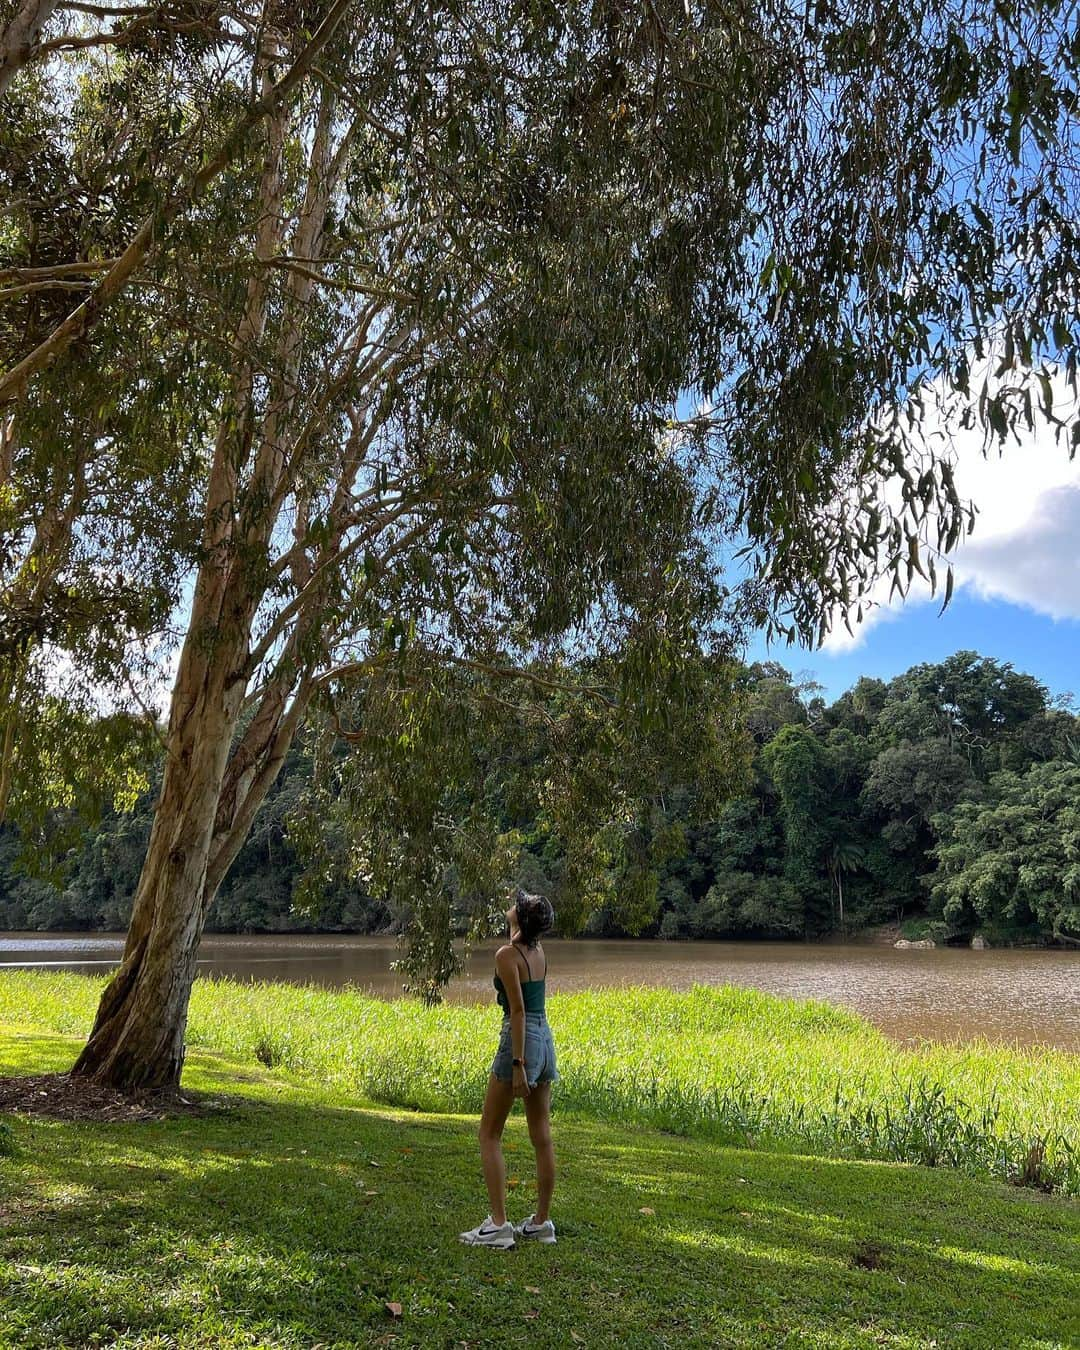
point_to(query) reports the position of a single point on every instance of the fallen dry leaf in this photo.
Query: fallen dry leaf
(531, 1289)
(394, 1309)
(646, 1210)
(574, 1336)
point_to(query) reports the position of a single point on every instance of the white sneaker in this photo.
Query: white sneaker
(535, 1232)
(490, 1235)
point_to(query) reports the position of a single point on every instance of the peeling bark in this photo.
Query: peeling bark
(20, 37)
(138, 1036)
(209, 797)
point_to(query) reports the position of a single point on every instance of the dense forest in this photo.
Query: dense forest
(946, 799)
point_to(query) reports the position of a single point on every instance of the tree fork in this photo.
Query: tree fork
(137, 1042)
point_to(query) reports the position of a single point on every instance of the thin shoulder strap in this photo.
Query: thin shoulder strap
(528, 968)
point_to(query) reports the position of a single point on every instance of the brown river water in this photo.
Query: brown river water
(1023, 997)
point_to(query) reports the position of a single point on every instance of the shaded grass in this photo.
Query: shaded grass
(732, 1065)
(293, 1215)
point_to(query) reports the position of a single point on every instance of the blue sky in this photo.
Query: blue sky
(1017, 594)
(1039, 645)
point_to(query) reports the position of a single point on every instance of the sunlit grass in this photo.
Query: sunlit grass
(290, 1215)
(729, 1064)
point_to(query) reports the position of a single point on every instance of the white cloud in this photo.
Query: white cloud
(1025, 547)
(1038, 563)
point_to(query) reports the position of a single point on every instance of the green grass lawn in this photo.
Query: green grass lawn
(293, 1214)
(734, 1066)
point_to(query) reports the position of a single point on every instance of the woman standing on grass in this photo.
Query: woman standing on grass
(524, 1066)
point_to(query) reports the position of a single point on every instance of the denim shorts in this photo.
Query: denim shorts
(539, 1052)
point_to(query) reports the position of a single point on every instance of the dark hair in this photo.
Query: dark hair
(535, 914)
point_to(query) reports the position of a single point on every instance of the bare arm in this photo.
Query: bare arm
(506, 963)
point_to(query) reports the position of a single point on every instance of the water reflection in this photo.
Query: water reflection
(1029, 997)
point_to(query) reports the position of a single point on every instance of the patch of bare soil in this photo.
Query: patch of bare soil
(868, 1255)
(58, 1096)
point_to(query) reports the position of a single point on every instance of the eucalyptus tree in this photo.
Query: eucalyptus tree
(428, 289)
(100, 459)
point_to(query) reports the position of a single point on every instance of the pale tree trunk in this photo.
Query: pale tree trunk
(208, 799)
(17, 43)
(207, 803)
(138, 1036)
(7, 448)
(137, 1041)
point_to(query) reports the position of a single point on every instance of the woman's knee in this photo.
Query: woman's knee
(540, 1134)
(490, 1133)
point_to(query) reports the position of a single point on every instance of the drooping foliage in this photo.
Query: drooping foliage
(408, 358)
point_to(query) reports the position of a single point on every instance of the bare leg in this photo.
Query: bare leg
(538, 1114)
(497, 1104)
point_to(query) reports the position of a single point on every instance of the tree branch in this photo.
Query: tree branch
(58, 270)
(148, 237)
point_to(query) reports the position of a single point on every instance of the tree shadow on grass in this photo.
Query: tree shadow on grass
(292, 1222)
(930, 1255)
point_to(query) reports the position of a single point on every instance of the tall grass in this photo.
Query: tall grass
(731, 1064)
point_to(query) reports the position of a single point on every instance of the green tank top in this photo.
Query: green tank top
(532, 994)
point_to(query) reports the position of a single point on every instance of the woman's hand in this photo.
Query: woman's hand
(521, 1083)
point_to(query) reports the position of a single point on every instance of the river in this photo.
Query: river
(1016, 996)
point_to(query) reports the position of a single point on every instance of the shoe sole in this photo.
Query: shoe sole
(543, 1241)
(498, 1246)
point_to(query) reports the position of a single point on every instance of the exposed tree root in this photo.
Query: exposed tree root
(59, 1096)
